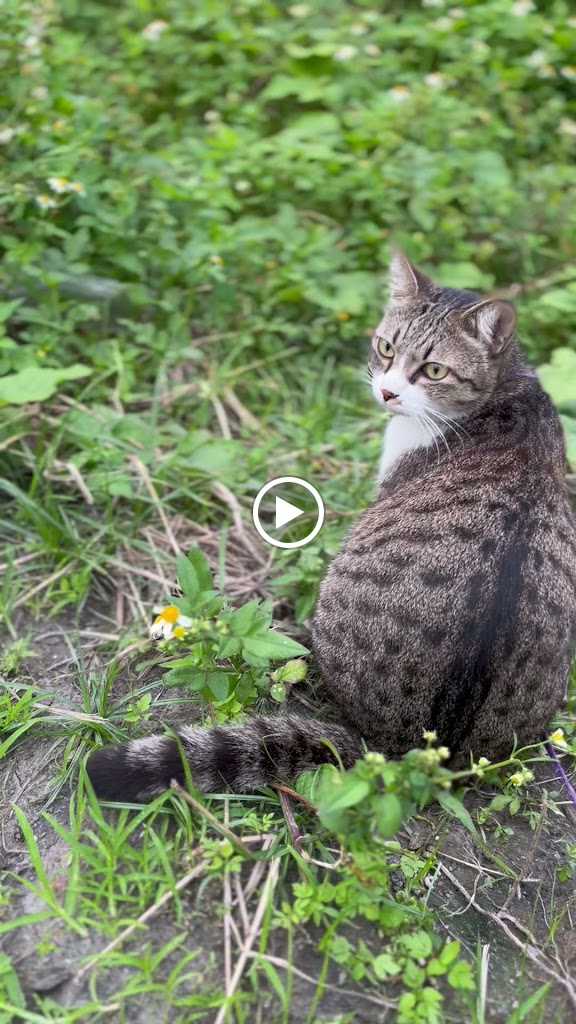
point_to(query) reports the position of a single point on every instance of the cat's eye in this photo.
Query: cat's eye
(435, 371)
(384, 348)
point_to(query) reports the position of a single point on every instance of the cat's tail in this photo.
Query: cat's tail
(241, 757)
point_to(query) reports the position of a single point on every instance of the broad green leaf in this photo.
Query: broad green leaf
(272, 646)
(219, 685)
(418, 944)
(36, 384)
(388, 814)
(384, 966)
(199, 563)
(455, 806)
(187, 578)
(342, 791)
(239, 621)
(460, 976)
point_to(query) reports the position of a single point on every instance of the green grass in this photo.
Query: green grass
(188, 322)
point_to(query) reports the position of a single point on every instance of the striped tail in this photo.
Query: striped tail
(241, 757)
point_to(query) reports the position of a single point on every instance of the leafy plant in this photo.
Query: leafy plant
(225, 654)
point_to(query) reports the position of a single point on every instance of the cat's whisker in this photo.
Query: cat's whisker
(436, 431)
(451, 423)
(426, 430)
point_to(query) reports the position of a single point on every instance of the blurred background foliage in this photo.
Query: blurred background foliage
(197, 200)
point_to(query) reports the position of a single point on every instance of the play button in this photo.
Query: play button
(285, 512)
(274, 508)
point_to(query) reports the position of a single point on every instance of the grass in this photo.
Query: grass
(197, 203)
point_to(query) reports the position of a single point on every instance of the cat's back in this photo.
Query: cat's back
(457, 588)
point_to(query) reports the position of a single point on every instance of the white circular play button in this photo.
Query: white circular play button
(283, 511)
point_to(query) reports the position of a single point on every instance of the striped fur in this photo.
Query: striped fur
(452, 604)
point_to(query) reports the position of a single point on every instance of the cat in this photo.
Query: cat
(452, 604)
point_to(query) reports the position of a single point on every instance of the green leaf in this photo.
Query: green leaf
(271, 647)
(558, 378)
(342, 791)
(455, 807)
(417, 944)
(384, 966)
(388, 814)
(278, 692)
(187, 578)
(460, 976)
(199, 563)
(219, 685)
(239, 621)
(449, 952)
(36, 384)
(292, 672)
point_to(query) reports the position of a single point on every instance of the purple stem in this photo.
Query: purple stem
(560, 771)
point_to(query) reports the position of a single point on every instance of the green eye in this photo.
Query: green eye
(435, 371)
(384, 348)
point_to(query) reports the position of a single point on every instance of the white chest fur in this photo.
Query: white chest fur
(402, 435)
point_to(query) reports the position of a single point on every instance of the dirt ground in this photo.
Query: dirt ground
(527, 923)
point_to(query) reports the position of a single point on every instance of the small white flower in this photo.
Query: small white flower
(39, 92)
(537, 59)
(571, 22)
(371, 50)
(169, 623)
(299, 11)
(154, 30)
(521, 8)
(45, 202)
(568, 71)
(567, 126)
(242, 186)
(6, 135)
(436, 80)
(433, 3)
(358, 29)
(211, 116)
(77, 187)
(345, 53)
(399, 93)
(443, 24)
(32, 45)
(59, 185)
(456, 12)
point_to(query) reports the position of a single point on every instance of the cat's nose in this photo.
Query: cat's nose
(387, 395)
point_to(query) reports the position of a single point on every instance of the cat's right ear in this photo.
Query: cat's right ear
(407, 282)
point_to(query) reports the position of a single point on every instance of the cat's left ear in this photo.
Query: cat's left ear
(492, 321)
(407, 281)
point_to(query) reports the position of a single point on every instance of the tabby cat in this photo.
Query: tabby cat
(452, 604)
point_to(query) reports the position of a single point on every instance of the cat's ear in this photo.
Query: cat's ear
(406, 281)
(492, 321)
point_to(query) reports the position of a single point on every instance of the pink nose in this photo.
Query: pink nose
(387, 395)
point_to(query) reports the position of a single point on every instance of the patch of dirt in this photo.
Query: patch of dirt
(525, 919)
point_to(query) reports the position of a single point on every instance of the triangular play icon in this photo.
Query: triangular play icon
(285, 512)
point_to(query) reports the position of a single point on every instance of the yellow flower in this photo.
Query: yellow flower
(521, 777)
(58, 184)
(399, 93)
(154, 30)
(558, 738)
(45, 202)
(170, 623)
(77, 187)
(342, 315)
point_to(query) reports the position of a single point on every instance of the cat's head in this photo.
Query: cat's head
(437, 349)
